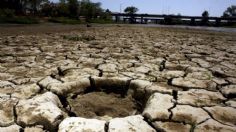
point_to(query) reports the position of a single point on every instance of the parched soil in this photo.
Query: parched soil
(101, 104)
(182, 77)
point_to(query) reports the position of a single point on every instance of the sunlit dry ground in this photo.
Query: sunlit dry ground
(181, 79)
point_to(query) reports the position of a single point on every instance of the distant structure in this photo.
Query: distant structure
(169, 19)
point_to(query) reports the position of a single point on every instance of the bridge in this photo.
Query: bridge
(154, 18)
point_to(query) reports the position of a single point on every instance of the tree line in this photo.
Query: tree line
(64, 8)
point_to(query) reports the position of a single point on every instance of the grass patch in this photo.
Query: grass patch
(19, 20)
(64, 20)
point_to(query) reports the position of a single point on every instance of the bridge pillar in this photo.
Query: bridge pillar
(217, 22)
(192, 22)
(116, 17)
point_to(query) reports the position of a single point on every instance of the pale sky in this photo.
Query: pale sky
(184, 7)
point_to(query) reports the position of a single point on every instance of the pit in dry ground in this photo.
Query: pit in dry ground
(102, 104)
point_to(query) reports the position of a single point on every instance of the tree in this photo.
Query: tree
(205, 14)
(230, 11)
(131, 10)
(73, 7)
(89, 9)
(205, 18)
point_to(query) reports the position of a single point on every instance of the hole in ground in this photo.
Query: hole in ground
(98, 104)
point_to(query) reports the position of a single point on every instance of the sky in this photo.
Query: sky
(184, 7)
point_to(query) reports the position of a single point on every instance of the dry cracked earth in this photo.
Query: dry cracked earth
(118, 79)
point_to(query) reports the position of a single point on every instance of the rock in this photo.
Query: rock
(202, 62)
(194, 83)
(231, 80)
(26, 91)
(157, 107)
(6, 76)
(138, 88)
(213, 126)
(189, 114)
(229, 91)
(200, 97)
(7, 105)
(70, 88)
(41, 110)
(200, 75)
(76, 74)
(171, 126)
(225, 115)
(34, 129)
(20, 81)
(46, 81)
(158, 88)
(129, 124)
(172, 74)
(108, 67)
(139, 84)
(142, 69)
(4, 84)
(231, 103)
(79, 124)
(196, 69)
(11, 128)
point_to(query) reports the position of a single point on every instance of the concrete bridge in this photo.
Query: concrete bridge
(154, 18)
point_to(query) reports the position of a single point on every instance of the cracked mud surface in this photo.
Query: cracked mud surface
(182, 80)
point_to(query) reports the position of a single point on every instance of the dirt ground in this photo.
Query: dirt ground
(187, 76)
(98, 104)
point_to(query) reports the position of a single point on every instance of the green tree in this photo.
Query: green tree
(230, 11)
(89, 9)
(73, 7)
(205, 18)
(131, 10)
(205, 14)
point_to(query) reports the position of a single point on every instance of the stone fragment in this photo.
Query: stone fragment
(194, 83)
(34, 129)
(231, 80)
(4, 84)
(171, 126)
(26, 91)
(76, 74)
(47, 80)
(220, 81)
(157, 106)
(231, 103)
(142, 69)
(108, 67)
(225, 115)
(200, 97)
(202, 62)
(200, 75)
(172, 74)
(40, 110)
(213, 126)
(7, 105)
(129, 124)
(189, 114)
(229, 91)
(70, 88)
(79, 124)
(11, 128)
(138, 88)
(20, 81)
(158, 88)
